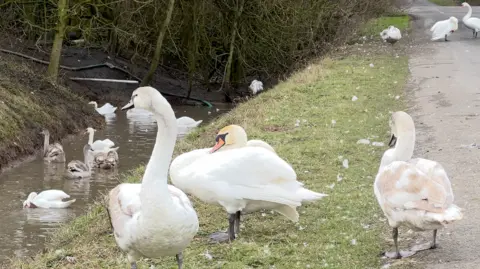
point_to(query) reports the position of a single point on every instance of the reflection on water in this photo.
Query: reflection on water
(24, 230)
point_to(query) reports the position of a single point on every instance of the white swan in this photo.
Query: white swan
(391, 35)
(105, 109)
(48, 199)
(54, 152)
(412, 192)
(99, 145)
(444, 28)
(153, 219)
(256, 86)
(186, 124)
(469, 22)
(79, 169)
(241, 180)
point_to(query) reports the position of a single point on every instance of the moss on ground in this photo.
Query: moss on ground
(29, 103)
(341, 231)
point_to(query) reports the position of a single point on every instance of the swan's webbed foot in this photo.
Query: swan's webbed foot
(179, 258)
(133, 265)
(219, 237)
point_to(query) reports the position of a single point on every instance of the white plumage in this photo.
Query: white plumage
(105, 109)
(48, 199)
(391, 35)
(443, 29)
(256, 86)
(470, 22)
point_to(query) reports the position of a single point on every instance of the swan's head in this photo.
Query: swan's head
(400, 123)
(30, 197)
(45, 132)
(92, 103)
(465, 4)
(90, 130)
(145, 97)
(231, 136)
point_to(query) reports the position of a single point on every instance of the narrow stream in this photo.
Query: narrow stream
(24, 230)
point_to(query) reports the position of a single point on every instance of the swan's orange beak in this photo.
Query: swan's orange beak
(220, 143)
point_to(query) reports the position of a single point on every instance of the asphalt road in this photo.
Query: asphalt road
(445, 103)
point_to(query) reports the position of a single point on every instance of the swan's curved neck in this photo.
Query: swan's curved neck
(469, 13)
(154, 193)
(90, 138)
(404, 147)
(86, 158)
(46, 142)
(95, 105)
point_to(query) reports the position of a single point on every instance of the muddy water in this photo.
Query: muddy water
(23, 231)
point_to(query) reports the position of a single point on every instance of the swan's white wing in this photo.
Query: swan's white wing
(123, 203)
(474, 22)
(394, 33)
(52, 195)
(403, 186)
(106, 109)
(188, 122)
(101, 145)
(440, 29)
(260, 143)
(437, 173)
(252, 173)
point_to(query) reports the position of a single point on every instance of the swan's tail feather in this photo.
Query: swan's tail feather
(308, 195)
(453, 213)
(198, 122)
(62, 204)
(289, 212)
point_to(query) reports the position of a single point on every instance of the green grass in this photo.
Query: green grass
(375, 26)
(446, 2)
(323, 238)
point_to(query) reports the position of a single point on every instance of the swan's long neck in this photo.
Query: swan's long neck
(405, 145)
(46, 142)
(154, 195)
(469, 13)
(86, 159)
(90, 138)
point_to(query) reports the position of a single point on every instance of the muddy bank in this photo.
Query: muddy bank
(28, 103)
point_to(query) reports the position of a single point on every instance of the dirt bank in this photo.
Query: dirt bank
(28, 103)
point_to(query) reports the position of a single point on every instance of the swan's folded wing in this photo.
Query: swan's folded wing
(404, 186)
(52, 195)
(437, 173)
(440, 29)
(123, 203)
(247, 173)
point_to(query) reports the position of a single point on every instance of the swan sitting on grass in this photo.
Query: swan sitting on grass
(391, 35)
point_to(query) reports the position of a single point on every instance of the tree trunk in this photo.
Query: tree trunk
(52, 72)
(158, 49)
(228, 72)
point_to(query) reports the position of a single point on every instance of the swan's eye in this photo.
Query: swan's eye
(221, 136)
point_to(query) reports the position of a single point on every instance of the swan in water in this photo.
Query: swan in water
(391, 35)
(54, 152)
(153, 219)
(48, 199)
(241, 179)
(106, 159)
(470, 22)
(444, 28)
(79, 169)
(186, 124)
(412, 192)
(105, 109)
(99, 145)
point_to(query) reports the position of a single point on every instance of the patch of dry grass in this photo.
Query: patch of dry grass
(340, 231)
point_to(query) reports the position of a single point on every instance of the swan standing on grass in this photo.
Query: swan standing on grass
(444, 28)
(391, 35)
(52, 153)
(469, 22)
(153, 219)
(105, 109)
(48, 199)
(99, 145)
(412, 192)
(242, 179)
(79, 169)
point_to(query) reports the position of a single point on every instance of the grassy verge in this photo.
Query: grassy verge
(340, 231)
(28, 103)
(375, 26)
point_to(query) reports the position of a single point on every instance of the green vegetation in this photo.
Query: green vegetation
(339, 231)
(375, 26)
(447, 2)
(29, 103)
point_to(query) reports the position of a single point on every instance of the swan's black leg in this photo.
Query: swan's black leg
(231, 226)
(179, 258)
(237, 222)
(109, 218)
(446, 38)
(434, 244)
(133, 265)
(395, 240)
